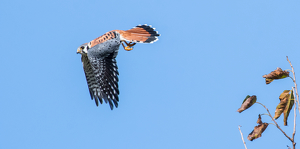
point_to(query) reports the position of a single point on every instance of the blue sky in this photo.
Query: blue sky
(180, 92)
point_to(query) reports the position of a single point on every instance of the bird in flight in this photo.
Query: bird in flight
(99, 60)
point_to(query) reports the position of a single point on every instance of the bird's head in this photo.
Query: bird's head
(82, 49)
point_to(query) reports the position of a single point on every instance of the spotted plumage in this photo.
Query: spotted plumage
(99, 60)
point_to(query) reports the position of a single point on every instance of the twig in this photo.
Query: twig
(294, 80)
(272, 124)
(294, 131)
(276, 122)
(297, 101)
(265, 114)
(242, 137)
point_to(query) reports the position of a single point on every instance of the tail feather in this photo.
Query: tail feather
(141, 33)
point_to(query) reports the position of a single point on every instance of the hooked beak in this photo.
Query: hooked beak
(78, 51)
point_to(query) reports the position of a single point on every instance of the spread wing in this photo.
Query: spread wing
(102, 78)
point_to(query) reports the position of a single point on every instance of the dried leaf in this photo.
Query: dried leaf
(284, 96)
(247, 103)
(288, 108)
(276, 74)
(268, 81)
(258, 130)
(259, 120)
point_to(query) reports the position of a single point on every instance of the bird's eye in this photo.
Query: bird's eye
(82, 47)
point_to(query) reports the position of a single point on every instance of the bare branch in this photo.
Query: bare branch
(297, 101)
(294, 80)
(242, 137)
(294, 131)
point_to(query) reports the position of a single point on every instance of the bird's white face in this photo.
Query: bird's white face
(82, 49)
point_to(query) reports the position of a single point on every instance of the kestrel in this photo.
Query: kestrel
(99, 60)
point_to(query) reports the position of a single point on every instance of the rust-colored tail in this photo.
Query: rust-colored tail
(141, 33)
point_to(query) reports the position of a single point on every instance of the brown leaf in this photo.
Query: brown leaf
(259, 120)
(288, 107)
(268, 81)
(276, 74)
(247, 103)
(258, 130)
(284, 96)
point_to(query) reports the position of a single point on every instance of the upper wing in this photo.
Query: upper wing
(102, 78)
(107, 36)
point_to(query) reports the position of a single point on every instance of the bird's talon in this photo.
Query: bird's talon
(128, 48)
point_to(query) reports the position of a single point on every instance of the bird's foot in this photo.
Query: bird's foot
(129, 46)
